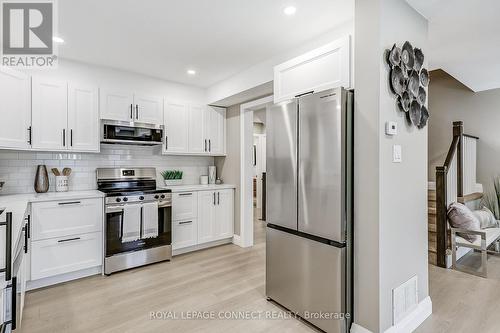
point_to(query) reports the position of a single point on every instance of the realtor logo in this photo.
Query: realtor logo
(27, 31)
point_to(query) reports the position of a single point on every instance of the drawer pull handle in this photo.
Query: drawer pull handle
(68, 240)
(185, 222)
(185, 194)
(70, 203)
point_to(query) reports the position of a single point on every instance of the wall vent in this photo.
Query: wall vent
(404, 299)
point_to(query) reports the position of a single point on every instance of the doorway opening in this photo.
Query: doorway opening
(253, 155)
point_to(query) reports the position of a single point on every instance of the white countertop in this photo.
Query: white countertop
(17, 204)
(198, 187)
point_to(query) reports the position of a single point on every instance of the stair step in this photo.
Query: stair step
(431, 211)
(432, 258)
(470, 197)
(431, 204)
(431, 195)
(432, 228)
(432, 248)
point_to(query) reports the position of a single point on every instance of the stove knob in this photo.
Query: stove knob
(141, 198)
(125, 199)
(118, 199)
(162, 196)
(157, 196)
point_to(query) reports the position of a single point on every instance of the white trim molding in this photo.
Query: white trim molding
(237, 240)
(246, 168)
(408, 324)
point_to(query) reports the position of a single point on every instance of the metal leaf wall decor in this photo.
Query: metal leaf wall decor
(409, 81)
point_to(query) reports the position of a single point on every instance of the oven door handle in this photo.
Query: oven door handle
(114, 209)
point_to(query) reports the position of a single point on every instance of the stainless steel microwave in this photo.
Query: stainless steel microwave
(131, 133)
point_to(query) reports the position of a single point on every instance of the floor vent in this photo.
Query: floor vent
(404, 299)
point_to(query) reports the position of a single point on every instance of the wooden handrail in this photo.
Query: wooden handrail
(442, 189)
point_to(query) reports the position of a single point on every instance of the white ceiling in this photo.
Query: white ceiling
(217, 38)
(464, 39)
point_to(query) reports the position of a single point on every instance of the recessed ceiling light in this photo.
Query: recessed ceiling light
(58, 40)
(191, 72)
(290, 10)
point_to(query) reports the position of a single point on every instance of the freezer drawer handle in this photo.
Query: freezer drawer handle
(8, 246)
(68, 240)
(185, 222)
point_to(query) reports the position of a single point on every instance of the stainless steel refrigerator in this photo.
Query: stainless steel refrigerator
(309, 207)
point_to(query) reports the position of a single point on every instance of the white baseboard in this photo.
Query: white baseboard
(49, 281)
(408, 324)
(414, 319)
(355, 328)
(201, 246)
(237, 240)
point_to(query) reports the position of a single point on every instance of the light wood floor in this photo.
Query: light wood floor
(229, 278)
(225, 278)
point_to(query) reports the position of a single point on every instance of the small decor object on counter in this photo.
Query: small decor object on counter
(204, 180)
(41, 179)
(2, 183)
(62, 184)
(408, 81)
(218, 181)
(212, 172)
(172, 177)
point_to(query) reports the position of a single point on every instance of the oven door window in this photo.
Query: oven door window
(114, 225)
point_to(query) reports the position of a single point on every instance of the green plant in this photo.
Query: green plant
(171, 174)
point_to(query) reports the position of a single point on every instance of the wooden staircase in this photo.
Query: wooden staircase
(431, 224)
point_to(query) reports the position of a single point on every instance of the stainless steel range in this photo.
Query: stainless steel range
(138, 226)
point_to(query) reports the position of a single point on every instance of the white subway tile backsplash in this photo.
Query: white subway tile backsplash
(18, 168)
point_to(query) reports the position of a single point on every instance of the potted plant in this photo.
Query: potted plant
(172, 177)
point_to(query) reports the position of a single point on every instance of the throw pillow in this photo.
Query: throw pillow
(461, 216)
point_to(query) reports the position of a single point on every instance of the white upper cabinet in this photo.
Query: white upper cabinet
(15, 94)
(197, 128)
(83, 118)
(127, 106)
(323, 68)
(117, 105)
(49, 114)
(176, 127)
(216, 130)
(148, 109)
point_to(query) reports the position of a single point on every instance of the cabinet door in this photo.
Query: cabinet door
(148, 109)
(15, 94)
(176, 127)
(62, 255)
(63, 218)
(216, 130)
(184, 234)
(116, 105)
(184, 205)
(49, 114)
(83, 118)
(206, 216)
(197, 141)
(224, 217)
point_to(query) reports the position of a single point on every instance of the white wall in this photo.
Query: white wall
(390, 198)
(106, 77)
(262, 73)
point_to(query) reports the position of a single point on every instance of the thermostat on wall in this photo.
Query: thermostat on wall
(391, 128)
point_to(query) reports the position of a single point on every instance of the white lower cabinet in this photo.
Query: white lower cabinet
(67, 254)
(185, 234)
(212, 220)
(66, 236)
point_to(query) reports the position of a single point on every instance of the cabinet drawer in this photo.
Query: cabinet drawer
(61, 255)
(184, 234)
(184, 206)
(65, 218)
